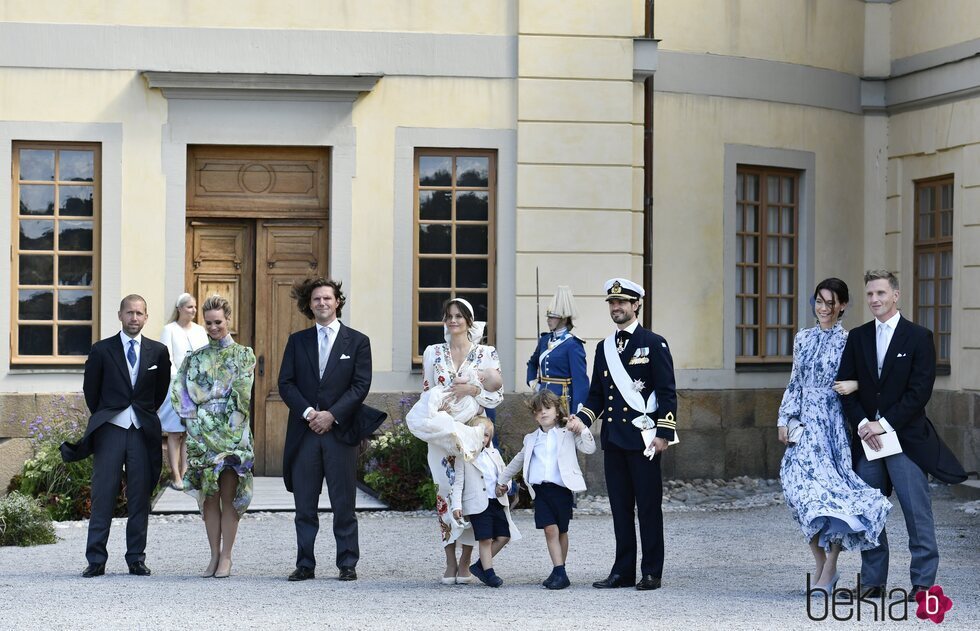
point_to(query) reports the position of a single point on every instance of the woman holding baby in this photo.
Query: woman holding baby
(461, 378)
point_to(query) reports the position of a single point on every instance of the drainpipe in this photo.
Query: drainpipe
(648, 175)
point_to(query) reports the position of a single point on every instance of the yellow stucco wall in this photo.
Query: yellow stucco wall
(688, 241)
(919, 26)
(492, 17)
(825, 33)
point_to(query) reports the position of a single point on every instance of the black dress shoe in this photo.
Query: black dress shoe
(915, 590)
(302, 574)
(649, 581)
(94, 569)
(348, 574)
(612, 581)
(138, 568)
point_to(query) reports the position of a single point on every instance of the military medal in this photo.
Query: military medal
(638, 385)
(644, 422)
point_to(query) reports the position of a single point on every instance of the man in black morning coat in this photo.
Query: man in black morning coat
(894, 363)
(127, 378)
(637, 394)
(324, 378)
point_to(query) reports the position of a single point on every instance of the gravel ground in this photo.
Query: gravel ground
(734, 562)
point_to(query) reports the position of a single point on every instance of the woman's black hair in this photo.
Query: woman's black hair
(837, 287)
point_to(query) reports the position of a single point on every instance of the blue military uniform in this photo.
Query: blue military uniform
(633, 480)
(558, 364)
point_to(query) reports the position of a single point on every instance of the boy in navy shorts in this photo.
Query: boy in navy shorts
(550, 468)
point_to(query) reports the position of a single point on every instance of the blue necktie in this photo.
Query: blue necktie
(131, 353)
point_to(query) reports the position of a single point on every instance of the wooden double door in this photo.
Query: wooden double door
(250, 236)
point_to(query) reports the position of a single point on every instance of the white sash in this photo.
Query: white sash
(630, 395)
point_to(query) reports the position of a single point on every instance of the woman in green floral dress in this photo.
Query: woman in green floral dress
(212, 393)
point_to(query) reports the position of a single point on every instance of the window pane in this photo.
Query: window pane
(752, 192)
(946, 263)
(772, 346)
(787, 256)
(36, 235)
(925, 226)
(772, 221)
(786, 342)
(946, 194)
(752, 218)
(927, 264)
(37, 164)
(75, 235)
(786, 281)
(472, 171)
(435, 205)
(787, 226)
(749, 311)
(749, 346)
(471, 272)
(772, 249)
(430, 305)
(944, 319)
(750, 280)
(926, 204)
(751, 254)
(944, 347)
(772, 311)
(435, 171)
(926, 292)
(429, 335)
(786, 311)
(76, 166)
(479, 302)
(33, 339)
(946, 292)
(789, 191)
(472, 239)
(739, 345)
(739, 187)
(435, 239)
(946, 223)
(772, 189)
(925, 318)
(435, 273)
(75, 201)
(739, 318)
(75, 339)
(739, 249)
(75, 304)
(75, 270)
(772, 280)
(35, 304)
(36, 199)
(472, 205)
(36, 269)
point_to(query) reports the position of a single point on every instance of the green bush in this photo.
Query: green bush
(64, 489)
(23, 522)
(395, 465)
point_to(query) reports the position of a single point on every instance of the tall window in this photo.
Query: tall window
(455, 204)
(767, 217)
(933, 295)
(55, 253)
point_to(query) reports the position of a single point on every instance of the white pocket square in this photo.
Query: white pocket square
(153, 367)
(342, 356)
(902, 355)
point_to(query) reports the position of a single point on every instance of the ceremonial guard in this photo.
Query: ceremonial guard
(632, 390)
(558, 363)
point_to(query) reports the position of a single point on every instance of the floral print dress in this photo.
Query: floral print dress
(212, 391)
(438, 370)
(825, 495)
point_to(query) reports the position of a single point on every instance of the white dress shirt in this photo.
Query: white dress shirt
(486, 464)
(887, 329)
(544, 458)
(127, 418)
(331, 331)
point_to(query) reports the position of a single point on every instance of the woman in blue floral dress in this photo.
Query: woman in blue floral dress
(212, 392)
(835, 508)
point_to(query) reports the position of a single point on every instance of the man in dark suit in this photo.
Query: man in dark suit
(894, 363)
(324, 378)
(127, 377)
(632, 389)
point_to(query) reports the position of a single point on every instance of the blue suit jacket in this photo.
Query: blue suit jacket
(565, 361)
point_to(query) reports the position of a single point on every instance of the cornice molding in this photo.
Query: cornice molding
(259, 87)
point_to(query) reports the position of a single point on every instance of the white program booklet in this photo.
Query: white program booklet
(889, 446)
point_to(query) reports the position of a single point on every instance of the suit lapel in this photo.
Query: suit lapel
(339, 346)
(119, 357)
(312, 348)
(144, 362)
(870, 350)
(897, 342)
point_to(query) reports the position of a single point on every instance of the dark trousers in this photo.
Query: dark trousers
(114, 448)
(321, 456)
(634, 482)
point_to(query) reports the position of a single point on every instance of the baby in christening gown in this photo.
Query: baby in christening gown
(439, 418)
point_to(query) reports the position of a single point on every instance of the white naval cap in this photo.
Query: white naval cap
(622, 289)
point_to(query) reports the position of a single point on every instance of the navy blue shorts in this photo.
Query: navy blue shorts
(491, 523)
(552, 506)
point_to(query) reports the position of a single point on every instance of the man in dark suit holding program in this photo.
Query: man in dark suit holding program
(127, 377)
(633, 392)
(894, 363)
(324, 378)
